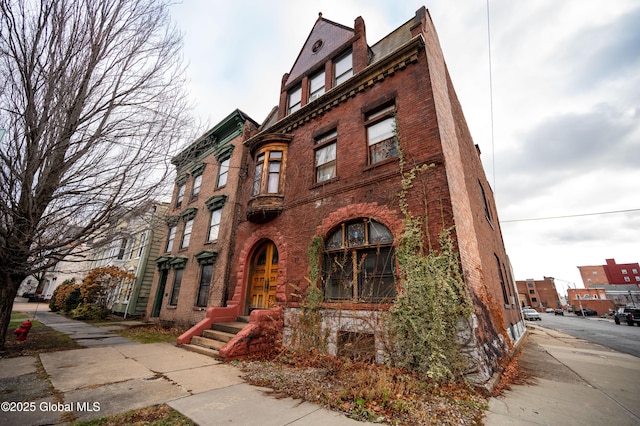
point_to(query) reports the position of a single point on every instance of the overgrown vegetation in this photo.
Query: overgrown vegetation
(422, 322)
(156, 415)
(151, 334)
(307, 331)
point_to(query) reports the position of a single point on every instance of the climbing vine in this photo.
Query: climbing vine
(424, 318)
(308, 330)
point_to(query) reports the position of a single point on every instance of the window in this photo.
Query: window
(129, 250)
(268, 172)
(635, 271)
(316, 86)
(186, 236)
(624, 271)
(343, 68)
(214, 225)
(627, 279)
(358, 262)
(325, 161)
(295, 99)
(532, 292)
(533, 299)
(505, 296)
(180, 196)
(530, 285)
(122, 250)
(637, 278)
(381, 135)
(197, 182)
(487, 213)
(206, 273)
(177, 283)
(172, 236)
(143, 243)
(595, 273)
(223, 173)
(273, 184)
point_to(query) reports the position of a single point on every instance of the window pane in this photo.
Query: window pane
(334, 241)
(197, 182)
(274, 178)
(177, 283)
(172, 236)
(295, 97)
(379, 234)
(380, 131)
(224, 172)
(383, 150)
(214, 228)
(355, 234)
(257, 178)
(375, 280)
(338, 268)
(343, 68)
(275, 155)
(326, 172)
(316, 86)
(180, 197)
(205, 285)
(326, 154)
(186, 237)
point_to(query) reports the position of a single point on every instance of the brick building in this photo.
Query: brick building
(539, 294)
(592, 298)
(611, 273)
(325, 165)
(194, 263)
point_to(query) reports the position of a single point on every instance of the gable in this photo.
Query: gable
(325, 38)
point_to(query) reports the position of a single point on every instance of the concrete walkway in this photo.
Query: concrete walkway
(576, 382)
(113, 375)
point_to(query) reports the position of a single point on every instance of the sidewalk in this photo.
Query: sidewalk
(575, 382)
(113, 375)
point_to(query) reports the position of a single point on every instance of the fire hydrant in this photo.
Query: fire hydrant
(22, 331)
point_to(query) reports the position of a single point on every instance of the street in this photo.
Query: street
(621, 338)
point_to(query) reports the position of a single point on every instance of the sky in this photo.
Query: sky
(550, 91)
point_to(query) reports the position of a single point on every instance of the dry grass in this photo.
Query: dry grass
(365, 391)
(157, 415)
(40, 339)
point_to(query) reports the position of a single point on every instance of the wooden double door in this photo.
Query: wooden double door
(264, 277)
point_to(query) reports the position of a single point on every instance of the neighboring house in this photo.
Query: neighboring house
(610, 273)
(73, 266)
(192, 270)
(133, 245)
(325, 164)
(538, 293)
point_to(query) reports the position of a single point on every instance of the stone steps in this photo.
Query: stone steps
(214, 339)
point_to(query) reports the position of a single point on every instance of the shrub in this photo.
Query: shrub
(65, 297)
(89, 312)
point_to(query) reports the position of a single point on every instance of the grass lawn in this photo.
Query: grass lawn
(40, 339)
(151, 334)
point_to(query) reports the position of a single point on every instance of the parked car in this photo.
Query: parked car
(559, 312)
(531, 315)
(629, 314)
(587, 312)
(549, 310)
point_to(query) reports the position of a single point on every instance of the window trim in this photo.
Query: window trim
(197, 184)
(322, 142)
(182, 187)
(216, 225)
(188, 226)
(171, 236)
(321, 90)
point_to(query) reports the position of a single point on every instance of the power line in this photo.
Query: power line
(569, 216)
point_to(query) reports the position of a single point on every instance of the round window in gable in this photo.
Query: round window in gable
(317, 46)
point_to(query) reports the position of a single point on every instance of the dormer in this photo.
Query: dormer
(331, 55)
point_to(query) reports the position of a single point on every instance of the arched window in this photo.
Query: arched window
(358, 262)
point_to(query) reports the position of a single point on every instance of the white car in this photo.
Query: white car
(531, 315)
(549, 310)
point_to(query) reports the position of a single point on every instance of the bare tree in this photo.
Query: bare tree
(92, 99)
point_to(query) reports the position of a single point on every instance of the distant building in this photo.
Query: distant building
(611, 273)
(592, 298)
(538, 294)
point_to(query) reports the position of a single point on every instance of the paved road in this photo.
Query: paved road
(621, 338)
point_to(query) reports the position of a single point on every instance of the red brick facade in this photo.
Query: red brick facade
(316, 170)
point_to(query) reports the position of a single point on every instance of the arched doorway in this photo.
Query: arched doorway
(263, 280)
